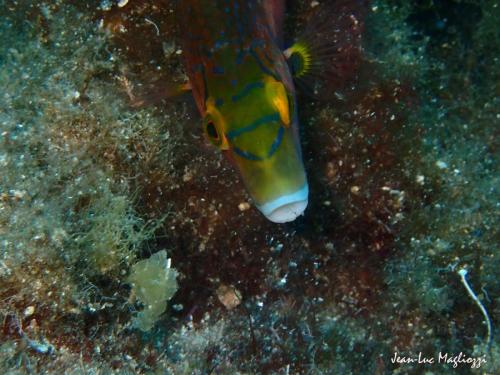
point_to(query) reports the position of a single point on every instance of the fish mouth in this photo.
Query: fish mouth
(287, 207)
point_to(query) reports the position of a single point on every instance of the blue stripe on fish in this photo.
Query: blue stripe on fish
(246, 154)
(246, 90)
(218, 70)
(274, 147)
(277, 142)
(262, 66)
(275, 117)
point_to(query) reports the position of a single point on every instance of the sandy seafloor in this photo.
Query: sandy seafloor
(402, 163)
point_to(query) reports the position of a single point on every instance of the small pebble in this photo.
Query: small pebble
(243, 206)
(229, 296)
(28, 311)
(441, 164)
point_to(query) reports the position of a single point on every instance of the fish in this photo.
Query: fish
(243, 86)
(245, 94)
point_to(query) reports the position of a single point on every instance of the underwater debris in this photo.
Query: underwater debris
(229, 296)
(463, 275)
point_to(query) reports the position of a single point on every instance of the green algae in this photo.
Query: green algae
(70, 148)
(153, 283)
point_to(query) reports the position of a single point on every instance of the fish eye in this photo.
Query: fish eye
(214, 125)
(214, 134)
(212, 131)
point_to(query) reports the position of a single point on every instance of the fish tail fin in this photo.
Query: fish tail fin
(326, 55)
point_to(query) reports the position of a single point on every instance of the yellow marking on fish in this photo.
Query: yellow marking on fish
(276, 93)
(214, 118)
(304, 53)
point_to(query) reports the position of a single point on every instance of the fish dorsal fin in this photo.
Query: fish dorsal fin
(275, 13)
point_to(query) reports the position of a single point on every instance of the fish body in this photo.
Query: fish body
(244, 91)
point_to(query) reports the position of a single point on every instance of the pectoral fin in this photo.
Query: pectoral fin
(153, 93)
(326, 55)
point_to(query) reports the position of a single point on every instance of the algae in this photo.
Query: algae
(70, 148)
(153, 283)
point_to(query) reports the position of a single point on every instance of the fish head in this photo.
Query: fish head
(257, 126)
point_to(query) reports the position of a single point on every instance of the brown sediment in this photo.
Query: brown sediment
(357, 189)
